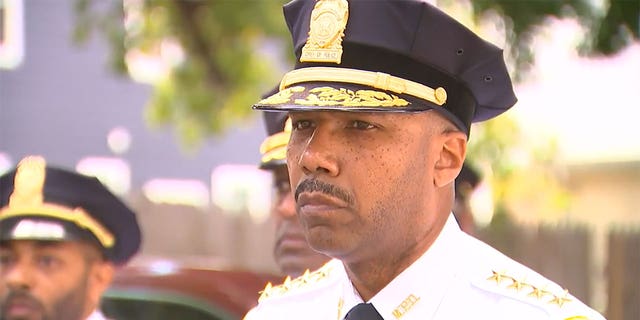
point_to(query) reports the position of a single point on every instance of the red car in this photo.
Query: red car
(167, 291)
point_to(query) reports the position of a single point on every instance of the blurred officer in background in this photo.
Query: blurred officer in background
(61, 236)
(381, 100)
(291, 250)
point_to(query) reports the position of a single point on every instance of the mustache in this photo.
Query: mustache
(314, 185)
(22, 295)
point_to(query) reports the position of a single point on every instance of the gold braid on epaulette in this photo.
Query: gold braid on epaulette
(304, 280)
(539, 293)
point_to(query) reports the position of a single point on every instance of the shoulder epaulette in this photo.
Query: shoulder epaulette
(543, 294)
(303, 281)
(512, 286)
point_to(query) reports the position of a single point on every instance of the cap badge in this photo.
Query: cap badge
(326, 30)
(33, 229)
(29, 182)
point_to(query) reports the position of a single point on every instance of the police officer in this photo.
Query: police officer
(61, 236)
(291, 250)
(381, 101)
(292, 253)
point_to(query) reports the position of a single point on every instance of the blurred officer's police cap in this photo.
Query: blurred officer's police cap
(41, 202)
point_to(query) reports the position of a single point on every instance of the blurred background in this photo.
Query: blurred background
(153, 97)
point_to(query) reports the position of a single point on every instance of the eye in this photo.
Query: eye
(282, 186)
(6, 259)
(302, 124)
(360, 125)
(48, 261)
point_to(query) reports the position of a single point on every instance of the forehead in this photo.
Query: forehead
(412, 116)
(26, 246)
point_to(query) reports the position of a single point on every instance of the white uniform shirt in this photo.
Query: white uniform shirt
(459, 277)
(96, 315)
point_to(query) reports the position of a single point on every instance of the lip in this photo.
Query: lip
(20, 308)
(291, 240)
(317, 203)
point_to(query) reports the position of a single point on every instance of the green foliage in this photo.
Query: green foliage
(222, 70)
(608, 31)
(523, 176)
(108, 22)
(619, 27)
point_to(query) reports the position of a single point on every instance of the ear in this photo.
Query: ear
(451, 157)
(101, 275)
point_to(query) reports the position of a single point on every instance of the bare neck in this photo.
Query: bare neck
(370, 276)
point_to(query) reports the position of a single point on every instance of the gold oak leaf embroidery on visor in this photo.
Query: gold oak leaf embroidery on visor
(327, 96)
(281, 97)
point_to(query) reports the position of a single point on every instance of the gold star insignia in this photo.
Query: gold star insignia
(497, 277)
(265, 292)
(560, 300)
(536, 292)
(287, 283)
(306, 277)
(517, 285)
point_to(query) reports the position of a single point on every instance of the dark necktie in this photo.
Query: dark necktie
(363, 311)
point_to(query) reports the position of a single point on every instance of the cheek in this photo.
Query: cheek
(395, 174)
(375, 176)
(293, 157)
(3, 289)
(49, 288)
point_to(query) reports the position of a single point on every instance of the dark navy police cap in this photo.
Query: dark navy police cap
(390, 56)
(40, 202)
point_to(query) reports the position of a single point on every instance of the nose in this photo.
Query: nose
(286, 206)
(317, 155)
(18, 276)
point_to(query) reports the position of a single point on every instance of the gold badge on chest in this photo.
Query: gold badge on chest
(326, 30)
(405, 306)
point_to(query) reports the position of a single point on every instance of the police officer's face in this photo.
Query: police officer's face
(49, 280)
(365, 182)
(291, 250)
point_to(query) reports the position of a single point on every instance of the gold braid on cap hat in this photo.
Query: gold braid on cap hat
(27, 199)
(378, 80)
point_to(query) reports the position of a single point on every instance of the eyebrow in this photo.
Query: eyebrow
(43, 244)
(37, 244)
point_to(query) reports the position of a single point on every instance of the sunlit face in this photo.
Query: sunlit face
(45, 280)
(291, 250)
(363, 181)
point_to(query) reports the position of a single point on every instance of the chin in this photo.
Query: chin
(327, 244)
